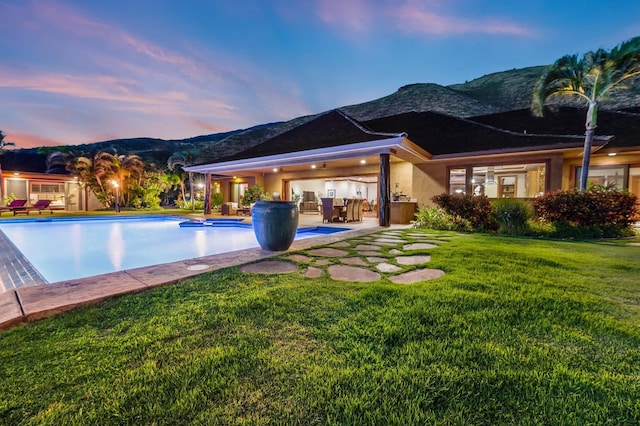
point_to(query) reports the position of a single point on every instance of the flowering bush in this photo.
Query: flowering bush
(593, 207)
(596, 212)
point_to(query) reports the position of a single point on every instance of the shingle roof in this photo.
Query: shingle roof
(623, 125)
(328, 130)
(440, 134)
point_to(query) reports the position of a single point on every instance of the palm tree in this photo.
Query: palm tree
(178, 160)
(82, 168)
(3, 145)
(591, 78)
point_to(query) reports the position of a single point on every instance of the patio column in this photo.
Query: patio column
(384, 191)
(207, 193)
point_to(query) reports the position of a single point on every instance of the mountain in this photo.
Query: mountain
(489, 94)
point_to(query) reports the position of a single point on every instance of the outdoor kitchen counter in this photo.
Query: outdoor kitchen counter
(402, 212)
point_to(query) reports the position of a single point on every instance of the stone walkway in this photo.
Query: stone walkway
(398, 255)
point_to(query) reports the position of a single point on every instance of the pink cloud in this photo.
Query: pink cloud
(210, 128)
(27, 140)
(412, 16)
(416, 17)
(355, 15)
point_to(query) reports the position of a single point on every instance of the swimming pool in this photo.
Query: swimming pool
(64, 249)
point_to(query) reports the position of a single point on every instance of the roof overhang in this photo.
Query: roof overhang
(398, 146)
(570, 147)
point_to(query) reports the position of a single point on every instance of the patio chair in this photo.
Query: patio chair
(38, 206)
(15, 204)
(350, 211)
(357, 212)
(327, 210)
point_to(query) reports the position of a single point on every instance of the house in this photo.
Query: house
(23, 177)
(410, 157)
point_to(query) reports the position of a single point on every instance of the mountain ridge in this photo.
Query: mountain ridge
(489, 94)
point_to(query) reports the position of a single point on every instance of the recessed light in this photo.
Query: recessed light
(313, 166)
(363, 161)
(275, 170)
(612, 154)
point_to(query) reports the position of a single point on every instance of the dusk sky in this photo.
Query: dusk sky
(82, 71)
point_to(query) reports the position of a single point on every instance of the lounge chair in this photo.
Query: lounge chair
(38, 206)
(15, 204)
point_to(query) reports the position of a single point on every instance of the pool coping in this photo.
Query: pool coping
(32, 303)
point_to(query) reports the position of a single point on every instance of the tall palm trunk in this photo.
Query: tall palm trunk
(191, 190)
(590, 126)
(586, 158)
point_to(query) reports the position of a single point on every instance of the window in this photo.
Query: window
(50, 188)
(500, 181)
(457, 181)
(609, 176)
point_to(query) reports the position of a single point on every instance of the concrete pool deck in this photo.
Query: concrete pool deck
(30, 303)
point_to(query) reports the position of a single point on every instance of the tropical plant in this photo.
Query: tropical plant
(175, 164)
(591, 78)
(253, 194)
(512, 215)
(138, 183)
(435, 218)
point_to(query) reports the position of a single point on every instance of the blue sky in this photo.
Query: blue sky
(81, 71)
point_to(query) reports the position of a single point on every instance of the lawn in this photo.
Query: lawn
(518, 331)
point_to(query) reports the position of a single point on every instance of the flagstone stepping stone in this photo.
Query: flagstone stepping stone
(352, 273)
(413, 260)
(369, 253)
(353, 261)
(634, 244)
(313, 272)
(419, 246)
(395, 251)
(387, 267)
(323, 262)
(389, 243)
(341, 244)
(367, 247)
(416, 276)
(328, 252)
(375, 259)
(270, 267)
(390, 240)
(299, 258)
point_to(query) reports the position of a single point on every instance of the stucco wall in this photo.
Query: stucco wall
(429, 180)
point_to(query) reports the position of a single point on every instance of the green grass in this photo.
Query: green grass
(518, 331)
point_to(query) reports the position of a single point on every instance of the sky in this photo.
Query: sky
(83, 71)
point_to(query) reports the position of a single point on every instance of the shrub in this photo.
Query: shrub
(512, 215)
(436, 218)
(186, 204)
(476, 209)
(595, 213)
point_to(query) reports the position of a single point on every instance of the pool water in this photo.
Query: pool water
(66, 249)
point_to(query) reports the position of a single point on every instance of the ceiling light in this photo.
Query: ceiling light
(275, 170)
(612, 154)
(313, 166)
(363, 161)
